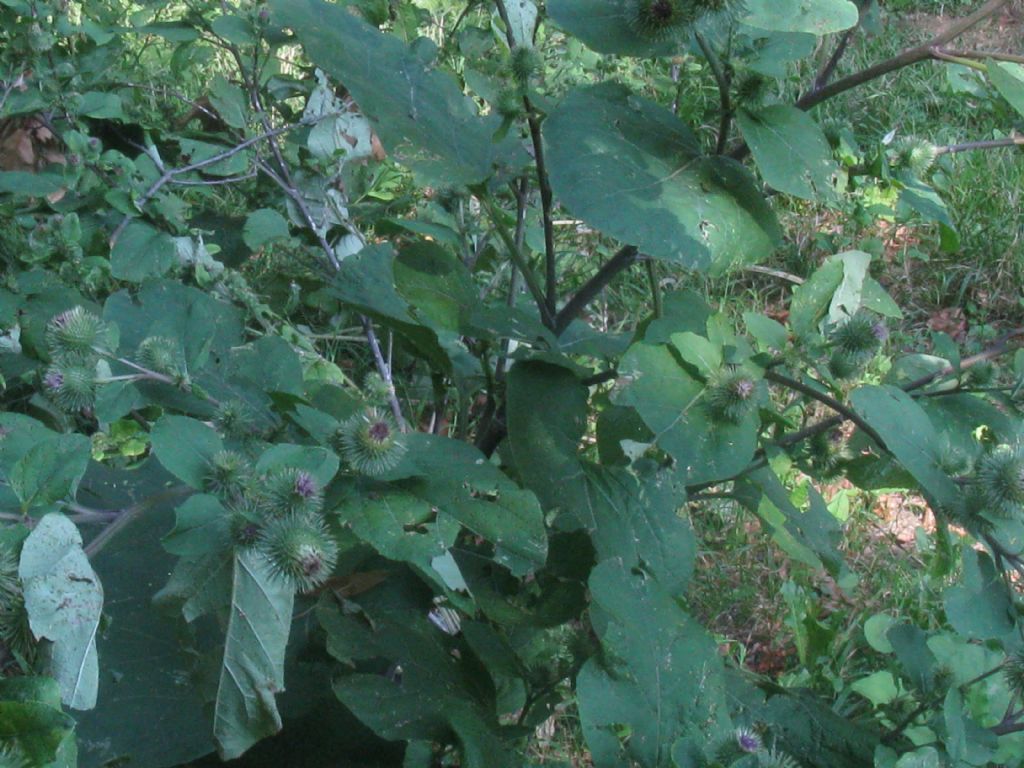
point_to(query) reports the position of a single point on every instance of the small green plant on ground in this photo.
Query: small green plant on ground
(321, 422)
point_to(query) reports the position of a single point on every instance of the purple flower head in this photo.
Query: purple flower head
(880, 331)
(747, 740)
(53, 380)
(744, 388)
(305, 485)
(380, 431)
(61, 320)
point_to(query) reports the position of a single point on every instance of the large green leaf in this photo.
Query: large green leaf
(148, 676)
(201, 527)
(438, 691)
(50, 470)
(980, 608)
(141, 251)
(790, 150)
(436, 284)
(252, 672)
(402, 527)
(545, 441)
(32, 722)
(634, 171)
(366, 280)
(810, 536)
(419, 112)
(636, 521)
(461, 483)
(835, 291)
(669, 400)
(201, 323)
(819, 17)
(64, 600)
(185, 447)
(909, 435)
(199, 585)
(606, 26)
(659, 680)
(1008, 78)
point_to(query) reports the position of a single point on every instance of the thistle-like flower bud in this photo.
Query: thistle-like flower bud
(776, 758)
(300, 549)
(228, 475)
(859, 338)
(375, 389)
(658, 19)
(1013, 671)
(370, 442)
(234, 418)
(509, 103)
(11, 756)
(916, 155)
(75, 332)
(72, 387)
(1000, 480)
(15, 632)
(729, 397)
(827, 452)
(291, 491)
(245, 527)
(842, 365)
(524, 62)
(748, 741)
(161, 355)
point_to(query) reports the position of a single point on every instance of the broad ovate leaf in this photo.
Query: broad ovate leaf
(1008, 78)
(252, 672)
(633, 170)
(185, 447)
(420, 113)
(64, 600)
(606, 27)
(522, 18)
(141, 251)
(634, 520)
(790, 150)
(670, 400)
(660, 677)
(31, 721)
(50, 470)
(910, 436)
(819, 17)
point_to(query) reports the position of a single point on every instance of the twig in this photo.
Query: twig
(546, 314)
(543, 182)
(652, 278)
(216, 182)
(815, 394)
(622, 260)
(995, 55)
(999, 348)
(905, 58)
(829, 67)
(168, 175)
(722, 80)
(284, 180)
(384, 369)
(128, 514)
(796, 279)
(1016, 140)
